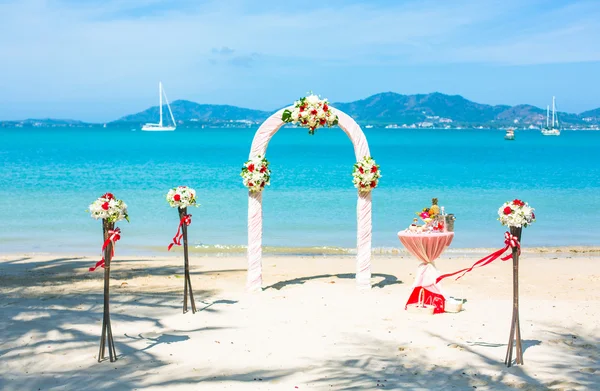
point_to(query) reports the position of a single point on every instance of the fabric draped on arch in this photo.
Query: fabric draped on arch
(363, 207)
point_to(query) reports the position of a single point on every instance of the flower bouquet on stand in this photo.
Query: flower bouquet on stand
(181, 198)
(110, 210)
(515, 214)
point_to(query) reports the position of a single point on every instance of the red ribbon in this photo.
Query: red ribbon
(113, 236)
(187, 220)
(510, 240)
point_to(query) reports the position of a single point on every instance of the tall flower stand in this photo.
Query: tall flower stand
(187, 285)
(107, 337)
(514, 339)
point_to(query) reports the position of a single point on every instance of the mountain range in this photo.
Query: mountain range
(385, 109)
(388, 108)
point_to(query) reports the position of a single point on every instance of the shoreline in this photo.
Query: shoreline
(270, 251)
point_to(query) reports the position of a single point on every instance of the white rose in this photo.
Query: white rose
(312, 99)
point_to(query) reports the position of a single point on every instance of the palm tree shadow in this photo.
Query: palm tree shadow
(387, 279)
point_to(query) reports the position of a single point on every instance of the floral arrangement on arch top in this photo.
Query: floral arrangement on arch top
(310, 112)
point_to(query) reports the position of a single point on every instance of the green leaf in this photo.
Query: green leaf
(286, 116)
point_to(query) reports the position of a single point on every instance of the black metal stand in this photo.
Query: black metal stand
(515, 328)
(187, 285)
(107, 337)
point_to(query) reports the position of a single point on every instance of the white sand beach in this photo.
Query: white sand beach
(310, 329)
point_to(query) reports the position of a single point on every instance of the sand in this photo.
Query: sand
(310, 329)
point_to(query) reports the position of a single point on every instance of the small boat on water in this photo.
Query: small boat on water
(510, 134)
(553, 130)
(159, 127)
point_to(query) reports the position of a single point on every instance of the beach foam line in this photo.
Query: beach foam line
(224, 249)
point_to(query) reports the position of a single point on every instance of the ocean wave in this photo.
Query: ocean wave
(227, 249)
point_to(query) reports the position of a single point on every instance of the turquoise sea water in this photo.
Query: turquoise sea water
(48, 177)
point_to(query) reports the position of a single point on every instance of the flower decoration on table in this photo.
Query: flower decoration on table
(366, 174)
(516, 213)
(109, 208)
(434, 219)
(310, 112)
(181, 197)
(256, 174)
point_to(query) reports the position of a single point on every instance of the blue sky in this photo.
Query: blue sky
(99, 60)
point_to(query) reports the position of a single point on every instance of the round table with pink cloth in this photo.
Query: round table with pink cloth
(427, 247)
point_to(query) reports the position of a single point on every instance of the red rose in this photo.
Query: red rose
(250, 184)
(374, 169)
(250, 167)
(373, 184)
(263, 169)
(105, 206)
(177, 197)
(362, 185)
(533, 215)
(262, 184)
(314, 112)
(325, 107)
(507, 210)
(108, 196)
(518, 203)
(360, 169)
(322, 121)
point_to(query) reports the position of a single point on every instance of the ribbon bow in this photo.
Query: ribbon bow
(187, 220)
(113, 236)
(510, 240)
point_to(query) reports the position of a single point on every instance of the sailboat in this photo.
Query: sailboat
(551, 129)
(159, 127)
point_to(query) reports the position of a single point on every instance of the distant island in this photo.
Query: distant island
(387, 109)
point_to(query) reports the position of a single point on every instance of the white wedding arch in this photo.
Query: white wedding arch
(363, 208)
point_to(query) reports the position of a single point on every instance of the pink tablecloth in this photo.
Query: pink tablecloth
(427, 247)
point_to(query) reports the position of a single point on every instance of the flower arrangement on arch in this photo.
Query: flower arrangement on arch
(109, 208)
(310, 112)
(256, 174)
(366, 174)
(181, 197)
(516, 213)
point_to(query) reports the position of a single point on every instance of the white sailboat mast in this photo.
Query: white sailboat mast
(547, 116)
(553, 111)
(160, 102)
(169, 107)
